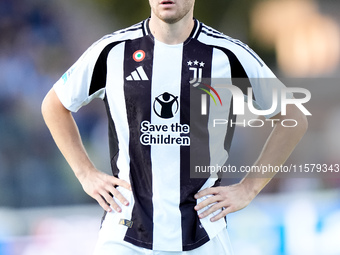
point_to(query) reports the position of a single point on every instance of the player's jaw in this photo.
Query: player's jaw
(171, 11)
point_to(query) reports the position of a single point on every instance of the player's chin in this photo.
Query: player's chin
(170, 20)
(170, 17)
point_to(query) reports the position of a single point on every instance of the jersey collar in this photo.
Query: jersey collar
(194, 33)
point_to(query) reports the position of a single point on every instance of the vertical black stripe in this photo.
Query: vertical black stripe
(239, 76)
(240, 79)
(113, 140)
(230, 130)
(98, 81)
(138, 107)
(193, 234)
(99, 76)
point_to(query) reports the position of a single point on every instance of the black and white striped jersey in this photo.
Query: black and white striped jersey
(146, 86)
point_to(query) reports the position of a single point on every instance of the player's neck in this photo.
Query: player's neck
(175, 33)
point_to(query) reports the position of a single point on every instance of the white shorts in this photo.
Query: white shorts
(106, 245)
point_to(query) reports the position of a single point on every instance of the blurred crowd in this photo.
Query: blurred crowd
(32, 54)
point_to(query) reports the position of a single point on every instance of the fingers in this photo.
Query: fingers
(107, 200)
(215, 201)
(211, 211)
(102, 188)
(102, 202)
(107, 203)
(212, 195)
(228, 199)
(206, 192)
(222, 214)
(110, 202)
(122, 183)
(213, 205)
(207, 202)
(111, 195)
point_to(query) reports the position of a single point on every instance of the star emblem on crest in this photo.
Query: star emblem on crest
(196, 63)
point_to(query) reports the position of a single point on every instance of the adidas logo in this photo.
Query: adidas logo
(138, 75)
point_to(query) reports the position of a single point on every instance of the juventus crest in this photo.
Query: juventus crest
(197, 69)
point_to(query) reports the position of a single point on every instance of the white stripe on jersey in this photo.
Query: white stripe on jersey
(217, 134)
(166, 193)
(115, 94)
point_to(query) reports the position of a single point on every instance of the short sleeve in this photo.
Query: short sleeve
(265, 86)
(73, 88)
(267, 92)
(267, 89)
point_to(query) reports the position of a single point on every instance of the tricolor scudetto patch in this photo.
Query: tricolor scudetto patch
(139, 55)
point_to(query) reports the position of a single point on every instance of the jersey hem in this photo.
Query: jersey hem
(138, 243)
(190, 247)
(149, 246)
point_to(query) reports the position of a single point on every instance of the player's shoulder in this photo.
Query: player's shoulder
(215, 38)
(210, 35)
(133, 32)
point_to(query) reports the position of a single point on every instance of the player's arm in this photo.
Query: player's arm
(279, 145)
(65, 133)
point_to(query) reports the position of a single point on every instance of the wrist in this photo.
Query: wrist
(253, 186)
(82, 172)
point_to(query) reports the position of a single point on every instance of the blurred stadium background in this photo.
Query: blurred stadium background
(43, 210)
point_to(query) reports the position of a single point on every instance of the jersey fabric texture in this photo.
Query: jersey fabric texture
(146, 86)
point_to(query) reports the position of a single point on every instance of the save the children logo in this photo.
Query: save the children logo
(166, 105)
(167, 131)
(164, 134)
